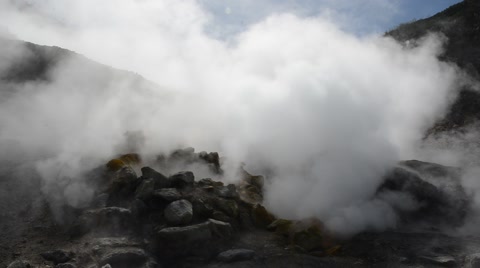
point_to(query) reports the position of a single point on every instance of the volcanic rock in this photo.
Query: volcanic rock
(100, 201)
(210, 182)
(182, 179)
(160, 180)
(235, 255)
(281, 226)
(472, 261)
(109, 219)
(309, 239)
(127, 257)
(66, 265)
(441, 200)
(123, 181)
(220, 216)
(261, 217)
(229, 191)
(184, 237)
(19, 264)
(179, 212)
(220, 229)
(145, 190)
(57, 256)
(201, 208)
(167, 194)
(229, 207)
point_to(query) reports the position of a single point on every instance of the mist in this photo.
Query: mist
(326, 112)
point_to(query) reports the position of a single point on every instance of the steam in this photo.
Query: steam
(326, 112)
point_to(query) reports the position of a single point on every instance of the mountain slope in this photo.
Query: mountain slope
(460, 24)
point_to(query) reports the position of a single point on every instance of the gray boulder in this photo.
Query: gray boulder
(182, 179)
(229, 191)
(123, 181)
(187, 235)
(179, 212)
(439, 204)
(220, 229)
(202, 209)
(127, 257)
(229, 207)
(66, 265)
(167, 194)
(145, 190)
(160, 180)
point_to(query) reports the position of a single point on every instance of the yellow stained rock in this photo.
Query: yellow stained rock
(115, 164)
(281, 226)
(333, 250)
(261, 217)
(123, 161)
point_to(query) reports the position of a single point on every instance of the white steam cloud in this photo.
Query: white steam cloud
(327, 113)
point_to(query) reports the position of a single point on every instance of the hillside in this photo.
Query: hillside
(460, 24)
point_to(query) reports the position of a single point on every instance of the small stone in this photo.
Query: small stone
(309, 239)
(230, 207)
(19, 264)
(184, 236)
(235, 255)
(145, 190)
(124, 256)
(101, 246)
(280, 226)
(66, 265)
(57, 256)
(167, 194)
(201, 208)
(210, 182)
(182, 179)
(211, 158)
(160, 180)
(123, 181)
(179, 212)
(220, 216)
(220, 229)
(229, 191)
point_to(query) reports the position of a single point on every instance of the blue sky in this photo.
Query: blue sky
(357, 16)
(418, 9)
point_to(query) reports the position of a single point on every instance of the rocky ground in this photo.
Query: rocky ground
(179, 220)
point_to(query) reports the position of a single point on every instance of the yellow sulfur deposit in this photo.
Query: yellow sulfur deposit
(123, 161)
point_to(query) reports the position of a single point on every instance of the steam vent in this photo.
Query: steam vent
(322, 134)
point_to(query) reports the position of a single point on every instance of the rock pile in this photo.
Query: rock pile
(160, 220)
(156, 219)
